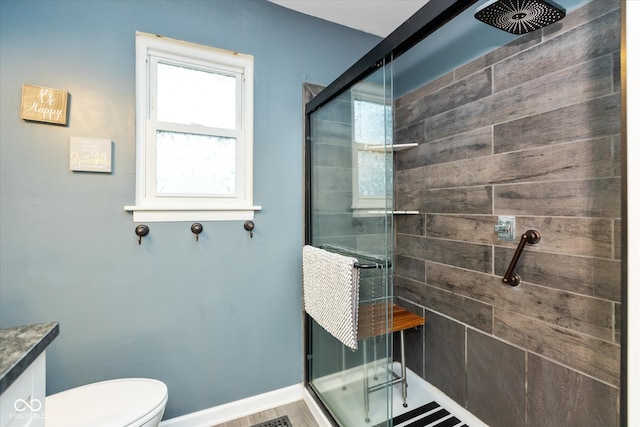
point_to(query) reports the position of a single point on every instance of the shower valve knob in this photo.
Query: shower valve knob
(506, 227)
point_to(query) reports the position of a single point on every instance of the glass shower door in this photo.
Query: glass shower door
(349, 211)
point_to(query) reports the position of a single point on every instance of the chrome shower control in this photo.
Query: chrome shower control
(506, 227)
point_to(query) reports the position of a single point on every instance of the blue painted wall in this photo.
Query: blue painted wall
(216, 320)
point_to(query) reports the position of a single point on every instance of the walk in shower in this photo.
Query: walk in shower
(414, 156)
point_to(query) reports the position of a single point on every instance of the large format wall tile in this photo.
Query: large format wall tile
(333, 179)
(409, 133)
(495, 381)
(475, 143)
(585, 120)
(571, 236)
(466, 310)
(412, 268)
(579, 160)
(557, 396)
(476, 200)
(429, 88)
(597, 358)
(462, 92)
(584, 43)
(588, 80)
(474, 257)
(413, 341)
(465, 228)
(519, 44)
(588, 12)
(444, 361)
(586, 198)
(331, 201)
(409, 224)
(584, 275)
(579, 313)
(330, 155)
(410, 290)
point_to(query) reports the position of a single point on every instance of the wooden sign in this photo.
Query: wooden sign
(90, 155)
(43, 104)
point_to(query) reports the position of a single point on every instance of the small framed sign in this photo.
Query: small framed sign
(90, 155)
(43, 104)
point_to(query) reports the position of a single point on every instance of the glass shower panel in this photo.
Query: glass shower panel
(350, 205)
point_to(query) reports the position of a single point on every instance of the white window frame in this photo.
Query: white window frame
(151, 206)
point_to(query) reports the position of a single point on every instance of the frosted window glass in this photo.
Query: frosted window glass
(190, 96)
(373, 167)
(195, 164)
(371, 120)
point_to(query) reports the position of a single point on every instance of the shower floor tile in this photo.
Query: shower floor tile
(426, 405)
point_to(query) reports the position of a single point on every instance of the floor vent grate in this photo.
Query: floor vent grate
(278, 422)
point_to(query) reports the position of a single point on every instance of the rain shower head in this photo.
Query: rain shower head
(520, 16)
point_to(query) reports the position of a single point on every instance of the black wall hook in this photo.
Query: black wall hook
(249, 226)
(141, 231)
(196, 228)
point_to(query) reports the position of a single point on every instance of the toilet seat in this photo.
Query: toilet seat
(129, 402)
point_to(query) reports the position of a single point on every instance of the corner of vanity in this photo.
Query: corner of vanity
(23, 374)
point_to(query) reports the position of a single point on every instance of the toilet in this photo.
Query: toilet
(127, 402)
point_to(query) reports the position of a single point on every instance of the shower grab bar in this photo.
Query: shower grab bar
(375, 262)
(530, 236)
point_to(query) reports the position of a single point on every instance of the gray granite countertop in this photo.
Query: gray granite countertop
(20, 346)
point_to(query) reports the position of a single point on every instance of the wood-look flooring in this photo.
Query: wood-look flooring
(298, 413)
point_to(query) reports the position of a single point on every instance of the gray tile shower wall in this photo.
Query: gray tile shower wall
(531, 129)
(332, 181)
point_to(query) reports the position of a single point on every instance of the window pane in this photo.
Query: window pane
(190, 96)
(195, 164)
(373, 167)
(371, 120)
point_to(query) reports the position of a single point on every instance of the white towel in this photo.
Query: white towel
(330, 289)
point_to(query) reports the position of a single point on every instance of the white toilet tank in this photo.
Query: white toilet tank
(127, 402)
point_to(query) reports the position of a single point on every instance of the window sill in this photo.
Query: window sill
(170, 214)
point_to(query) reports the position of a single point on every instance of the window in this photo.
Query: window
(372, 156)
(194, 132)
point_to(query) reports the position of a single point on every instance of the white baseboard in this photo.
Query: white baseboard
(251, 405)
(317, 413)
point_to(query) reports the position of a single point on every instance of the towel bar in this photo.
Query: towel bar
(371, 261)
(365, 266)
